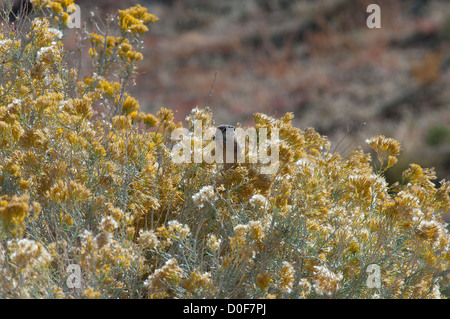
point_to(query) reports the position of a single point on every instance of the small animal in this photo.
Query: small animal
(229, 149)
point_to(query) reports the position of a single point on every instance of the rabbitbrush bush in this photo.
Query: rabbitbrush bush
(88, 179)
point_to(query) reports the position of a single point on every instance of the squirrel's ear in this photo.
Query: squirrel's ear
(225, 127)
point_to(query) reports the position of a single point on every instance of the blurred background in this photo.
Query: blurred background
(317, 59)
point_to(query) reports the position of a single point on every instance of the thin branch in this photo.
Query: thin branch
(211, 90)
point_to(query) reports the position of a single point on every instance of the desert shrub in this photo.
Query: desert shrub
(88, 179)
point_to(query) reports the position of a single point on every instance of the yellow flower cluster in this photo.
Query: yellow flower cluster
(59, 8)
(325, 281)
(28, 253)
(286, 281)
(15, 210)
(385, 148)
(99, 190)
(134, 19)
(110, 46)
(160, 281)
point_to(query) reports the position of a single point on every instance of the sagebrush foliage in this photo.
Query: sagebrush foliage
(87, 179)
